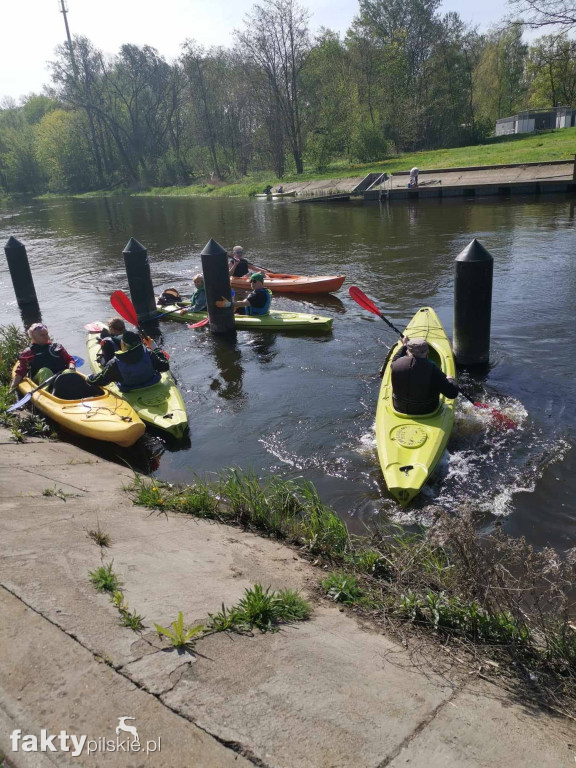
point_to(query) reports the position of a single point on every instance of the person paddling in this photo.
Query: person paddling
(416, 382)
(239, 266)
(258, 301)
(134, 365)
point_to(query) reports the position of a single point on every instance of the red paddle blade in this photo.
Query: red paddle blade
(124, 307)
(504, 421)
(199, 324)
(361, 298)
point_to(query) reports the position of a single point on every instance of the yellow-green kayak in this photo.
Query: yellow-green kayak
(161, 405)
(409, 447)
(273, 321)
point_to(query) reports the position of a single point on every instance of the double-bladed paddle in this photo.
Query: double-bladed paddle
(363, 300)
(26, 399)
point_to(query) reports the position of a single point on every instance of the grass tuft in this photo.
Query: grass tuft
(104, 578)
(180, 635)
(99, 536)
(342, 588)
(263, 609)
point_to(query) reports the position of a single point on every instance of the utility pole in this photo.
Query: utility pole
(64, 11)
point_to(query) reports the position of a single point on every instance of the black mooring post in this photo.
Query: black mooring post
(139, 280)
(21, 277)
(217, 284)
(473, 305)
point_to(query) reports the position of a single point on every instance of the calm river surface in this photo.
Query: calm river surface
(305, 406)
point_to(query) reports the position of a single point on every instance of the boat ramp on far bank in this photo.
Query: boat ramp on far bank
(480, 181)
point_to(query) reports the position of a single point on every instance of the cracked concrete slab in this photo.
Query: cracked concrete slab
(324, 693)
(52, 682)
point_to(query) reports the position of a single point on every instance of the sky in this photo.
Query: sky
(33, 28)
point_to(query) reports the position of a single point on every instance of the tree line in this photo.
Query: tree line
(404, 77)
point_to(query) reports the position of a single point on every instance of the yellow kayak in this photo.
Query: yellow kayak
(105, 417)
(409, 447)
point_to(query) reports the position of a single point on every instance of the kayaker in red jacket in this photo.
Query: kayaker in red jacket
(416, 382)
(43, 353)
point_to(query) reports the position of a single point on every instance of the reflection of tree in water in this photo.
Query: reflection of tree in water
(227, 356)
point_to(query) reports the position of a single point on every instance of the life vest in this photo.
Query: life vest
(44, 356)
(260, 310)
(169, 296)
(136, 371)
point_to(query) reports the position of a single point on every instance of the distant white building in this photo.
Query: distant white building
(536, 120)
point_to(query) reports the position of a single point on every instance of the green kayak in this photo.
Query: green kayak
(273, 321)
(409, 447)
(161, 405)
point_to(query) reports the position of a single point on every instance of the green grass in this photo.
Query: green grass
(491, 591)
(285, 509)
(179, 634)
(342, 588)
(263, 609)
(501, 150)
(104, 579)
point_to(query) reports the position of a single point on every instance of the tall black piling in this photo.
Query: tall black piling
(218, 291)
(473, 305)
(139, 280)
(21, 275)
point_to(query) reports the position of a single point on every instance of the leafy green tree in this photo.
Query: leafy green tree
(332, 100)
(552, 71)
(501, 87)
(62, 149)
(19, 168)
(277, 40)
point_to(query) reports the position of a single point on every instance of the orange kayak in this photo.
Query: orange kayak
(280, 283)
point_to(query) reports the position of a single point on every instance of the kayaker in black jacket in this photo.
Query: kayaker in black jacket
(133, 367)
(416, 382)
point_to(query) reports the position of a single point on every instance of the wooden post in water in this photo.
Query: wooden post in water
(139, 280)
(21, 275)
(473, 305)
(218, 291)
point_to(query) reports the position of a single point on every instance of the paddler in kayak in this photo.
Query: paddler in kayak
(43, 358)
(258, 301)
(111, 339)
(239, 266)
(198, 298)
(133, 367)
(416, 382)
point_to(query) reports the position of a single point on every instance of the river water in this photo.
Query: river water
(304, 406)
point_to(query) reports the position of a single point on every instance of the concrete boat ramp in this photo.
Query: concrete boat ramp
(327, 693)
(480, 181)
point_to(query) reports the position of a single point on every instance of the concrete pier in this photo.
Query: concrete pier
(468, 182)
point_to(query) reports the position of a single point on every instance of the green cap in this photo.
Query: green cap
(257, 276)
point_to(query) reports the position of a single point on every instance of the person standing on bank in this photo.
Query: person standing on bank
(258, 302)
(416, 382)
(413, 183)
